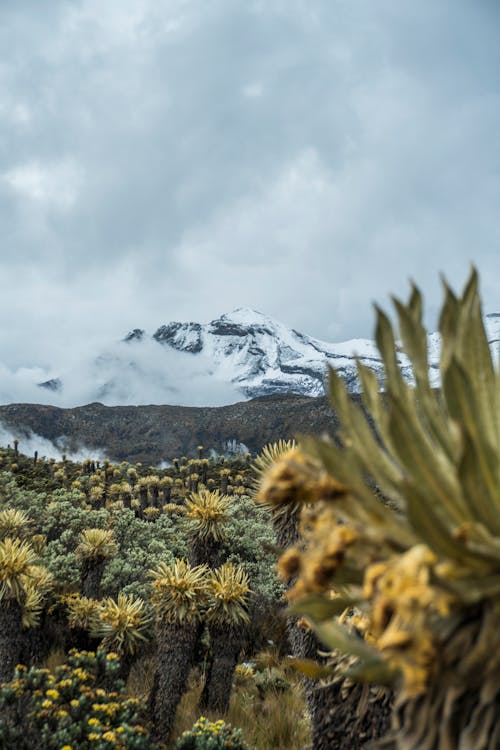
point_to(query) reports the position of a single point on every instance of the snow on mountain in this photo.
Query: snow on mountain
(242, 354)
(261, 356)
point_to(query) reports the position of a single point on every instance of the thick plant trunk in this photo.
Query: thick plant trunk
(226, 647)
(80, 639)
(176, 646)
(92, 573)
(305, 645)
(208, 552)
(37, 644)
(350, 716)
(127, 661)
(208, 676)
(341, 719)
(11, 638)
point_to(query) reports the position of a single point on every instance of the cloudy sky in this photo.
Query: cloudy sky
(174, 160)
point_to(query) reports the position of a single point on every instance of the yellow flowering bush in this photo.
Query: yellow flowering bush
(211, 735)
(72, 708)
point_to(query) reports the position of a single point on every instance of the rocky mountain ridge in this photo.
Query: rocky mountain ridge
(152, 434)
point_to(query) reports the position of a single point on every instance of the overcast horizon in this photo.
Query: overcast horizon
(176, 161)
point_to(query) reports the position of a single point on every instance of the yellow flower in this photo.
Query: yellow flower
(111, 656)
(62, 714)
(93, 722)
(93, 736)
(47, 704)
(109, 736)
(52, 694)
(67, 747)
(81, 674)
(74, 703)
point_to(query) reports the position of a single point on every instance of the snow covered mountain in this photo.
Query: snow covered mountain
(241, 355)
(261, 356)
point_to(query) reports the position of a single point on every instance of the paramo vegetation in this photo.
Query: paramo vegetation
(165, 577)
(141, 608)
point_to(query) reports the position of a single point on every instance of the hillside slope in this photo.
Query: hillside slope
(156, 433)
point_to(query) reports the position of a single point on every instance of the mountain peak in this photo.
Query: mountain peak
(245, 316)
(136, 335)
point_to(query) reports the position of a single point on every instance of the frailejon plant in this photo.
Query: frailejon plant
(82, 611)
(17, 558)
(123, 626)
(284, 515)
(14, 523)
(211, 735)
(96, 547)
(227, 615)
(70, 709)
(207, 514)
(38, 588)
(179, 596)
(411, 534)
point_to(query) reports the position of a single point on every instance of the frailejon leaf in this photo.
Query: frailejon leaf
(386, 343)
(320, 608)
(342, 464)
(474, 354)
(428, 404)
(376, 671)
(425, 464)
(415, 304)
(373, 458)
(460, 395)
(374, 403)
(368, 509)
(310, 668)
(337, 637)
(474, 589)
(448, 323)
(429, 526)
(437, 423)
(346, 575)
(479, 486)
(371, 392)
(414, 339)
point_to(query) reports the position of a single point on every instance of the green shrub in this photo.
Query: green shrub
(211, 735)
(270, 680)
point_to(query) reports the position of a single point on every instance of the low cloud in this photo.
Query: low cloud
(29, 442)
(122, 374)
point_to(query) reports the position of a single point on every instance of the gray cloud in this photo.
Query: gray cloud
(120, 374)
(177, 160)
